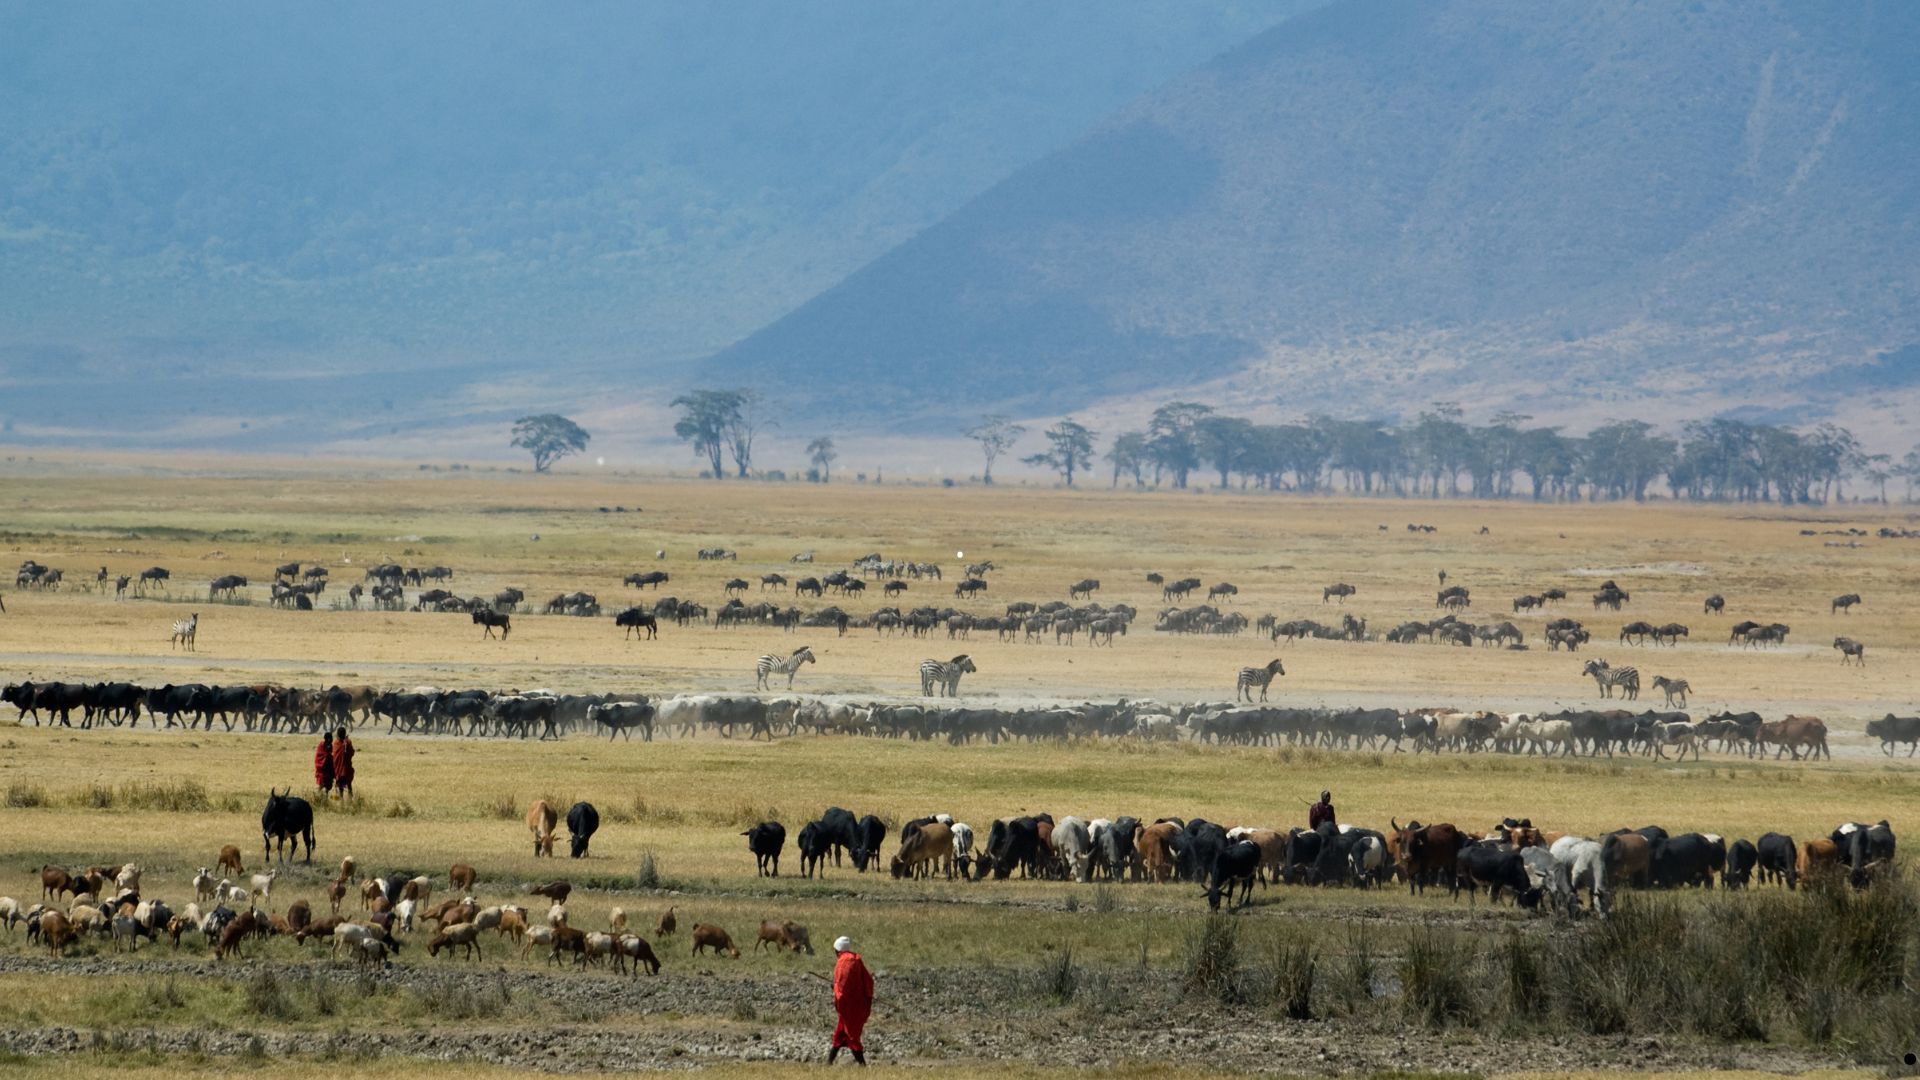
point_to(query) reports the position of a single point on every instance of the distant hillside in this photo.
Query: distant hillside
(1389, 201)
(357, 219)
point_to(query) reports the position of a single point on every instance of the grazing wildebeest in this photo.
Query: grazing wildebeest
(287, 819)
(1845, 603)
(634, 620)
(582, 822)
(491, 619)
(766, 840)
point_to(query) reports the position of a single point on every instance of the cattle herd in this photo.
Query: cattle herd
(1538, 869)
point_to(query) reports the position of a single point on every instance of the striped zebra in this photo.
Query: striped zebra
(184, 630)
(1608, 677)
(774, 665)
(944, 674)
(1675, 688)
(1251, 677)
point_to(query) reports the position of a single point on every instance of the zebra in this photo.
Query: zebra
(1261, 677)
(945, 674)
(1607, 677)
(184, 631)
(1675, 688)
(774, 665)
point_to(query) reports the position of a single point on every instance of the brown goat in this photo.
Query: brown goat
(336, 892)
(567, 939)
(56, 931)
(233, 934)
(460, 877)
(556, 891)
(635, 948)
(54, 881)
(320, 928)
(512, 924)
(708, 936)
(668, 924)
(230, 860)
(299, 914)
(784, 935)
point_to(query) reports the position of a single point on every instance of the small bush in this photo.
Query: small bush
(1437, 977)
(504, 808)
(1356, 973)
(1210, 965)
(1058, 978)
(648, 876)
(25, 796)
(399, 808)
(1294, 964)
(267, 997)
(1103, 901)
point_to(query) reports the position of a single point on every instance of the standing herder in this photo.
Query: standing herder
(323, 764)
(343, 763)
(1322, 811)
(852, 999)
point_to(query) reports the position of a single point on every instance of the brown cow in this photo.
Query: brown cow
(1424, 852)
(1628, 858)
(784, 935)
(931, 843)
(1793, 733)
(1273, 850)
(1819, 859)
(708, 936)
(541, 821)
(1155, 847)
(460, 877)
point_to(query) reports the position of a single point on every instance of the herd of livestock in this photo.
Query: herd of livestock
(475, 713)
(1538, 868)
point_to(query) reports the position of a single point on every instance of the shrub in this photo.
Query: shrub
(1211, 961)
(648, 876)
(1058, 978)
(25, 796)
(1437, 978)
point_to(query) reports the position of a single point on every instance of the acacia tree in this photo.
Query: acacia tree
(821, 452)
(1069, 449)
(1129, 455)
(996, 435)
(746, 421)
(706, 416)
(549, 437)
(1172, 439)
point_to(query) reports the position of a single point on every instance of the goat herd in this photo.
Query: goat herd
(475, 713)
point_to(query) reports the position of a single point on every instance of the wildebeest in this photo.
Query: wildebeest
(1844, 603)
(582, 822)
(766, 840)
(1851, 651)
(1339, 589)
(1083, 589)
(634, 620)
(287, 819)
(491, 619)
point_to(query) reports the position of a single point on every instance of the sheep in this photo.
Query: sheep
(204, 883)
(487, 918)
(636, 948)
(466, 935)
(403, 914)
(56, 931)
(617, 919)
(420, 888)
(536, 935)
(9, 912)
(262, 885)
(708, 936)
(513, 924)
(784, 935)
(128, 877)
(666, 926)
(461, 876)
(230, 861)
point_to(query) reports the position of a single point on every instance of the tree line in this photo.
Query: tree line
(1439, 454)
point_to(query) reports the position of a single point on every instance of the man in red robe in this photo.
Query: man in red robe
(343, 763)
(1321, 811)
(852, 999)
(323, 764)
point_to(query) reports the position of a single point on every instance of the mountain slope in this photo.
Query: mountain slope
(1383, 202)
(498, 201)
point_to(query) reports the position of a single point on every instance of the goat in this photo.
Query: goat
(465, 934)
(708, 936)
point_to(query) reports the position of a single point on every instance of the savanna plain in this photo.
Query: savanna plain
(1025, 977)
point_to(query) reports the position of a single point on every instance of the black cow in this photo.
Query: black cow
(1235, 866)
(491, 619)
(1688, 859)
(813, 845)
(1742, 857)
(1116, 847)
(766, 840)
(1009, 844)
(1204, 841)
(838, 829)
(582, 822)
(116, 701)
(288, 819)
(1779, 861)
(1863, 846)
(634, 620)
(1892, 729)
(870, 835)
(1303, 854)
(1498, 867)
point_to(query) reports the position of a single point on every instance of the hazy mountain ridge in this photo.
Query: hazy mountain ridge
(1706, 196)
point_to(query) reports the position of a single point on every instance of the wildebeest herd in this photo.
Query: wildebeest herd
(541, 714)
(1536, 868)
